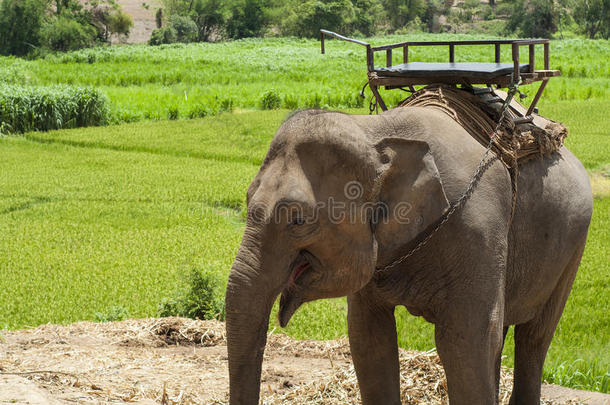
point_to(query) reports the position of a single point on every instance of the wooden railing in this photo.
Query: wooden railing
(514, 43)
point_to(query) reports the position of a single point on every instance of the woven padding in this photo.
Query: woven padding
(479, 114)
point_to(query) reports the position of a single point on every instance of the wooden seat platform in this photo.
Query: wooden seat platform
(410, 73)
(484, 71)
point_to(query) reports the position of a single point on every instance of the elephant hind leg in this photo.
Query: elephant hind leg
(470, 350)
(532, 339)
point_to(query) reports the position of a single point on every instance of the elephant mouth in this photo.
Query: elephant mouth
(300, 266)
(291, 298)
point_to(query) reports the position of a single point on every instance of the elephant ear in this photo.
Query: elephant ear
(409, 189)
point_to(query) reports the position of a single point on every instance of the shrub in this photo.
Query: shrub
(270, 100)
(226, 105)
(201, 299)
(162, 36)
(198, 111)
(504, 9)
(113, 314)
(185, 28)
(486, 12)
(24, 109)
(20, 24)
(173, 113)
(65, 34)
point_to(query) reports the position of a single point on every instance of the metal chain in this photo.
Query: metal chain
(372, 105)
(513, 88)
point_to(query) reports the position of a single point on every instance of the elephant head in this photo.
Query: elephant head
(332, 201)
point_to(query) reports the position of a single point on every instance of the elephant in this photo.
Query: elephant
(481, 270)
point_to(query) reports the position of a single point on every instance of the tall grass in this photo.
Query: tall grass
(24, 109)
(579, 374)
(181, 80)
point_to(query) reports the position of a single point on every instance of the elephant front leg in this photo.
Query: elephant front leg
(372, 338)
(469, 343)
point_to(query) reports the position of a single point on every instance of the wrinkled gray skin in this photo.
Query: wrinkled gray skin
(472, 280)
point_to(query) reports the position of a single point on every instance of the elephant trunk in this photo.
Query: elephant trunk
(250, 296)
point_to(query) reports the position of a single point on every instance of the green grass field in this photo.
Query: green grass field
(96, 218)
(145, 82)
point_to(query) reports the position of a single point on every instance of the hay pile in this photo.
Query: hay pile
(422, 381)
(173, 331)
(182, 361)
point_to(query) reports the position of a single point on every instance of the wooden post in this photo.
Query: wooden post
(451, 53)
(532, 56)
(388, 58)
(530, 110)
(497, 53)
(322, 42)
(516, 73)
(546, 56)
(370, 58)
(405, 54)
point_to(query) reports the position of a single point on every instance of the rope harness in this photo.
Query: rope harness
(510, 145)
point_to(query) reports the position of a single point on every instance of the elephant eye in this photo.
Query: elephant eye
(302, 226)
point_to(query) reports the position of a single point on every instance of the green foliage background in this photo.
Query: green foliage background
(36, 27)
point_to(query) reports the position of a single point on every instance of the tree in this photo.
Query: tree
(159, 18)
(109, 20)
(534, 18)
(166, 35)
(20, 25)
(66, 34)
(368, 15)
(306, 18)
(120, 23)
(434, 9)
(400, 12)
(61, 5)
(59, 25)
(593, 17)
(208, 16)
(248, 19)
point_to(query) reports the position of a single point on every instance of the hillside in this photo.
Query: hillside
(143, 19)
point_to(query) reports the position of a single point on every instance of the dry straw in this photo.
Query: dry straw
(176, 361)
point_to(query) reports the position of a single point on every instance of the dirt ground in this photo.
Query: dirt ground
(182, 361)
(143, 19)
